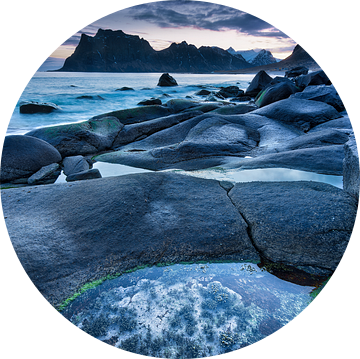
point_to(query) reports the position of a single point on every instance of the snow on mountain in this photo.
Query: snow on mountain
(255, 57)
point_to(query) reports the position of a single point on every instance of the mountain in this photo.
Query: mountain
(115, 51)
(255, 58)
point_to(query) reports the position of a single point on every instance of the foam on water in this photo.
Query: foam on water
(188, 311)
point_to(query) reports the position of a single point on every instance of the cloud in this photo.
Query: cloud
(201, 15)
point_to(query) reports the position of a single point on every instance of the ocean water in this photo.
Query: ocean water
(65, 88)
(189, 311)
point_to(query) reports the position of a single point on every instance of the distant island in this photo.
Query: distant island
(115, 51)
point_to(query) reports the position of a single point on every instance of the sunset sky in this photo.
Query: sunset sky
(198, 23)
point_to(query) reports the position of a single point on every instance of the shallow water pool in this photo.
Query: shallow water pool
(188, 311)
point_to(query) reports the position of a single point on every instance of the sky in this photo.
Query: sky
(198, 23)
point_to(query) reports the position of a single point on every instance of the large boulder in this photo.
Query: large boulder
(89, 137)
(167, 80)
(303, 114)
(22, 156)
(313, 78)
(37, 107)
(321, 93)
(276, 92)
(46, 175)
(296, 71)
(230, 91)
(74, 164)
(84, 175)
(351, 172)
(297, 223)
(66, 240)
(258, 83)
(235, 110)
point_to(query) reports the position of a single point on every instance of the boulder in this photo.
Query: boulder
(125, 88)
(74, 164)
(297, 223)
(296, 71)
(151, 101)
(178, 104)
(258, 83)
(84, 175)
(46, 175)
(82, 138)
(22, 156)
(66, 240)
(235, 110)
(37, 107)
(322, 93)
(351, 175)
(230, 91)
(203, 92)
(313, 78)
(167, 80)
(90, 97)
(343, 123)
(275, 92)
(302, 114)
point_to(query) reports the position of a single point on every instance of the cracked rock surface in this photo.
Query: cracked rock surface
(66, 235)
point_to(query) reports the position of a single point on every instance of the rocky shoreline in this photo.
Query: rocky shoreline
(66, 235)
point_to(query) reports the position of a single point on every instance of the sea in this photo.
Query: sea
(102, 94)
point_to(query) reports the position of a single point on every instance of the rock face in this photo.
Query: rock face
(37, 107)
(23, 156)
(164, 217)
(264, 57)
(351, 168)
(315, 231)
(115, 51)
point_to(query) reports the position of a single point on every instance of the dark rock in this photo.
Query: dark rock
(351, 172)
(203, 92)
(137, 114)
(84, 175)
(313, 78)
(304, 159)
(136, 220)
(314, 232)
(125, 89)
(22, 156)
(235, 110)
(303, 114)
(134, 132)
(74, 164)
(342, 123)
(258, 83)
(89, 97)
(152, 101)
(167, 80)
(37, 107)
(230, 91)
(83, 138)
(46, 175)
(322, 93)
(276, 92)
(178, 105)
(296, 71)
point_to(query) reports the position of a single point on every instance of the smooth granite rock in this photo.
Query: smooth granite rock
(74, 164)
(84, 175)
(46, 175)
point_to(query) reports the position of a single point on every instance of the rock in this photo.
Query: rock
(258, 83)
(137, 114)
(178, 105)
(125, 89)
(23, 155)
(303, 159)
(203, 92)
(89, 97)
(167, 80)
(314, 232)
(275, 92)
(46, 175)
(82, 138)
(235, 110)
(84, 175)
(151, 101)
(313, 78)
(322, 93)
(37, 107)
(296, 71)
(351, 179)
(230, 91)
(303, 114)
(74, 164)
(343, 123)
(136, 220)
(137, 131)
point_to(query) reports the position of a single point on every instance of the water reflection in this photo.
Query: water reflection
(188, 311)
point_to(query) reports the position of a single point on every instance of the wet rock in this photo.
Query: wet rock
(258, 83)
(235, 110)
(167, 80)
(83, 138)
(230, 91)
(90, 97)
(313, 78)
(314, 232)
(296, 71)
(125, 88)
(74, 164)
(303, 114)
(23, 155)
(84, 175)
(203, 92)
(38, 107)
(351, 168)
(46, 175)
(135, 220)
(151, 101)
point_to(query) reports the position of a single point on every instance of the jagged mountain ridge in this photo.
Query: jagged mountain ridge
(115, 51)
(255, 58)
